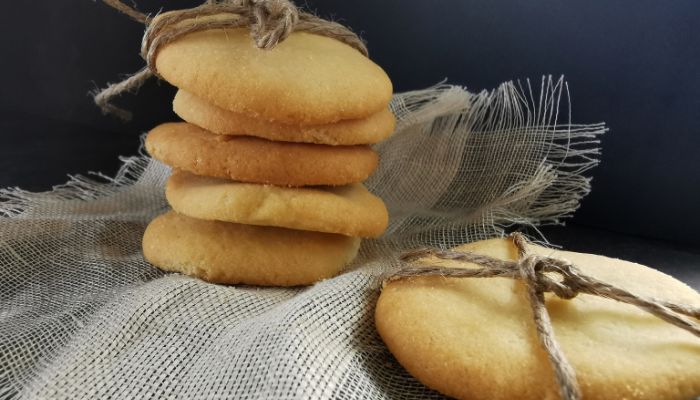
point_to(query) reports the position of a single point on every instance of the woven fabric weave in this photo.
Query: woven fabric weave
(82, 315)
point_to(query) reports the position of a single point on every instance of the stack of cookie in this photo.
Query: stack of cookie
(267, 167)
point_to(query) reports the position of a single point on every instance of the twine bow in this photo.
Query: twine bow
(546, 274)
(270, 22)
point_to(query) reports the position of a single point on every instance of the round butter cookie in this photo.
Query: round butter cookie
(248, 159)
(372, 129)
(349, 210)
(474, 338)
(306, 79)
(224, 252)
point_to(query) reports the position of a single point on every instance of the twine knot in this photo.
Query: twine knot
(542, 274)
(274, 21)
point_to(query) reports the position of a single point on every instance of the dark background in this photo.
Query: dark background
(633, 64)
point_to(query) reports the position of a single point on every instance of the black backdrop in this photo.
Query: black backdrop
(634, 64)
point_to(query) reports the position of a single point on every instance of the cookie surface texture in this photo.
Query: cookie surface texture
(474, 338)
(372, 129)
(349, 210)
(305, 79)
(248, 159)
(224, 252)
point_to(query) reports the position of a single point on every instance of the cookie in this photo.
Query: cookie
(474, 338)
(248, 159)
(306, 79)
(349, 210)
(372, 129)
(224, 252)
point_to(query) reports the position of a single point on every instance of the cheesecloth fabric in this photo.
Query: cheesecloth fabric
(83, 316)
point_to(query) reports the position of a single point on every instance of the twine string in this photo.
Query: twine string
(542, 274)
(270, 22)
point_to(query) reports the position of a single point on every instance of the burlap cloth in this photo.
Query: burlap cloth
(82, 315)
